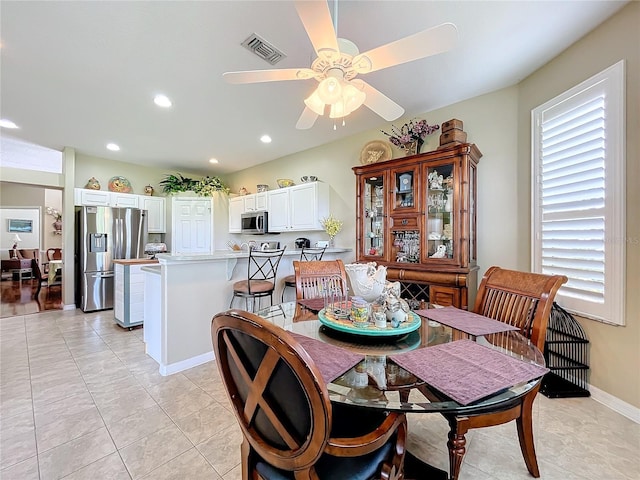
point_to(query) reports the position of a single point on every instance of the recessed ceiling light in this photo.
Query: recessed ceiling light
(7, 123)
(265, 139)
(213, 160)
(162, 101)
(113, 147)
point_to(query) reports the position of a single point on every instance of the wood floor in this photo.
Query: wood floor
(18, 298)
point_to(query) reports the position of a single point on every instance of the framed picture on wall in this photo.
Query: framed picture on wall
(20, 226)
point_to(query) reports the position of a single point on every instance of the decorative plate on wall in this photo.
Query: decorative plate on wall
(375, 151)
(120, 185)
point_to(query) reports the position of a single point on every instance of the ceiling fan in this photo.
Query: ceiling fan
(338, 62)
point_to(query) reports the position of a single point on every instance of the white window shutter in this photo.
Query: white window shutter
(578, 195)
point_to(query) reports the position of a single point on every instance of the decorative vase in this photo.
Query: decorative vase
(93, 184)
(367, 281)
(412, 148)
(57, 225)
(332, 242)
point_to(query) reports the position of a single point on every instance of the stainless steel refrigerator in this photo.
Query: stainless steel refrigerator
(104, 234)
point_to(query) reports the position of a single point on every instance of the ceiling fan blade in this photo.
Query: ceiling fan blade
(307, 119)
(422, 44)
(258, 76)
(316, 18)
(379, 103)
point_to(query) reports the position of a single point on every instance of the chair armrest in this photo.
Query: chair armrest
(357, 446)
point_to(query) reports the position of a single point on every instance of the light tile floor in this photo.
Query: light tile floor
(81, 400)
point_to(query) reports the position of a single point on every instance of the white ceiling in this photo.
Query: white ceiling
(83, 74)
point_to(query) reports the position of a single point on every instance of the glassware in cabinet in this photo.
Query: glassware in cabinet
(373, 216)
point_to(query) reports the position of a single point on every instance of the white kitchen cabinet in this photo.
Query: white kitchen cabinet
(156, 213)
(124, 200)
(192, 222)
(261, 203)
(236, 209)
(83, 196)
(278, 220)
(298, 208)
(309, 204)
(255, 202)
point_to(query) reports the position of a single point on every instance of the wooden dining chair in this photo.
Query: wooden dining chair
(313, 278)
(54, 254)
(521, 299)
(307, 254)
(43, 279)
(262, 267)
(290, 428)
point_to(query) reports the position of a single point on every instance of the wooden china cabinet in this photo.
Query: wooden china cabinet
(417, 216)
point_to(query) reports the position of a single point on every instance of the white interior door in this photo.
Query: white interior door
(192, 225)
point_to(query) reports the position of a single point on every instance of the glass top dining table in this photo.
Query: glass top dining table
(390, 387)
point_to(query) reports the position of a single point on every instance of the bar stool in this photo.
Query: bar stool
(262, 266)
(307, 254)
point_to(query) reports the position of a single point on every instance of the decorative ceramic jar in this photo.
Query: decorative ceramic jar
(148, 190)
(92, 184)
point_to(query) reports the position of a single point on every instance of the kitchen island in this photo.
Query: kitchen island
(184, 292)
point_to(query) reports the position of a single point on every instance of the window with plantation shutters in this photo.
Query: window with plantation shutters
(578, 195)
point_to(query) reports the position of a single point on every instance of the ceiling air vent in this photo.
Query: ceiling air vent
(262, 49)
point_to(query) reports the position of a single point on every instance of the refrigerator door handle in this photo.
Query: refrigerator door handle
(102, 275)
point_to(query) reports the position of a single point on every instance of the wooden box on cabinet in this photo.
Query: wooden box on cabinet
(417, 216)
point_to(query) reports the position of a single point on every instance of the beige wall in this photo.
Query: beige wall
(103, 170)
(615, 351)
(490, 121)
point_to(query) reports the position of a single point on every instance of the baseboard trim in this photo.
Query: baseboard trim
(615, 404)
(172, 368)
(71, 306)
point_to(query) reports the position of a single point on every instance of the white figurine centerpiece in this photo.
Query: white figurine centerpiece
(367, 281)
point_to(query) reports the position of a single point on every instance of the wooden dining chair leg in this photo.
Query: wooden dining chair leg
(457, 444)
(525, 433)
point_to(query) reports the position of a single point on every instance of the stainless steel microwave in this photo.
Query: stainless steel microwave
(255, 223)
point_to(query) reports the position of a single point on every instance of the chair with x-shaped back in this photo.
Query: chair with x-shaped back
(290, 428)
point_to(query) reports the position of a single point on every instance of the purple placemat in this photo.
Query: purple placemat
(466, 371)
(313, 304)
(332, 361)
(465, 321)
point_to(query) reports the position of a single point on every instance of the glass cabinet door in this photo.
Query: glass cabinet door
(373, 217)
(405, 190)
(440, 234)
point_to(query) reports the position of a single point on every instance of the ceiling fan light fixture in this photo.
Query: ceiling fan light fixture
(352, 98)
(315, 103)
(330, 90)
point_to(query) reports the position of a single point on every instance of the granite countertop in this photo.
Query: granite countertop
(135, 261)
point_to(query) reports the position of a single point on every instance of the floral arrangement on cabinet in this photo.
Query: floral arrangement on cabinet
(410, 136)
